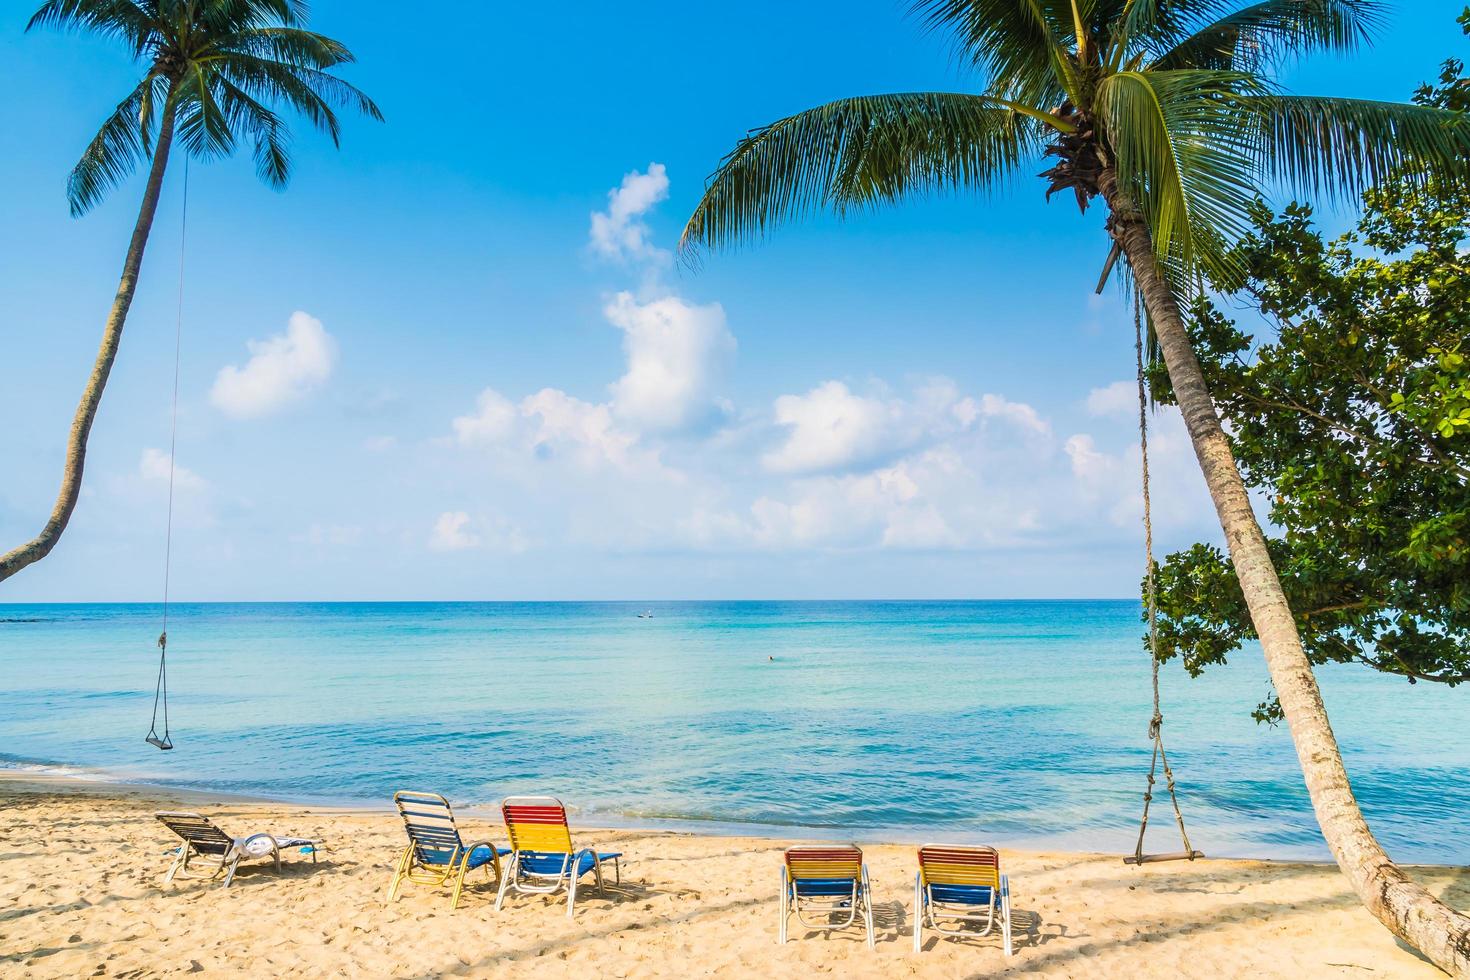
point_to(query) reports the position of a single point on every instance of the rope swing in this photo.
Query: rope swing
(160, 691)
(1156, 722)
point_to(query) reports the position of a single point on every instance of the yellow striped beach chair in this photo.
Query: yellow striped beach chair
(436, 854)
(961, 884)
(542, 858)
(830, 881)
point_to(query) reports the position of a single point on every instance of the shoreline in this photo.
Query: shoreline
(84, 780)
(82, 894)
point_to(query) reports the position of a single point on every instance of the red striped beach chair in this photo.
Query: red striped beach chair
(961, 884)
(542, 858)
(830, 881)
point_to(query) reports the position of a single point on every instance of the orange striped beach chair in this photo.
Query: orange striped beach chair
(542, 858)
(827, 881)
(961, 884)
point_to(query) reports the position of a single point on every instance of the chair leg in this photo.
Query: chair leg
(464, 863)
(177, 865)
(507, 875)
(1005, 913)
(230, 868)
(918, 912)
(785, 910)
(572, 893)
(867, 899)
(399, 873)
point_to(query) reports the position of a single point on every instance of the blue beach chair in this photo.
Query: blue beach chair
(961, 884)
(436, 855)
(826, 880)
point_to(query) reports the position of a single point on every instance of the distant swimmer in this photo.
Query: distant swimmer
(772, 659)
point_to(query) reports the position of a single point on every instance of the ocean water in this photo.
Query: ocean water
(1022, 723)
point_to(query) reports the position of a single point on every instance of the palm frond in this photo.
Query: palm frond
(1185, 154)
(203, 127)
(1258, 35)
(113, 153)
(1019, 45)
(269, 133)
(121, 19)
(857, 152)
(315, 94)
(1337, 147)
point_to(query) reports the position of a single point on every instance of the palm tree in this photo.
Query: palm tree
(1167, 110)
(213, 70)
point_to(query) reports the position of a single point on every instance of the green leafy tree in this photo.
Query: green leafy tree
(215, 72)
(1168, 110)
(1355, 422)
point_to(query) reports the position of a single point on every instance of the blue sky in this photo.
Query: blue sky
(425, 371)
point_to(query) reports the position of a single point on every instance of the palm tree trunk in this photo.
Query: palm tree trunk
(1407, 909)
(76, 447)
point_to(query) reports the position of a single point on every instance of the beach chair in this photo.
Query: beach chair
(542, 858)
(829, 881)
(436, 854)
(961, 884)
(203, 839)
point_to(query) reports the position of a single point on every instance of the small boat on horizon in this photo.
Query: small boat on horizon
(646, 615)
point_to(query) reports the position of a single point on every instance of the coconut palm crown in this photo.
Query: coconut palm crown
(1175, 96)
(217, 67)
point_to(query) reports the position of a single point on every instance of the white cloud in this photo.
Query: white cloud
(493, 421)
(619, 232)
(153, 466)
(282, 369)
(677, 352)
(831, 428)
(1113, 482)
(452, 532)
(1019, 414)
(1118, 400)
(456, 530)
(551, 426)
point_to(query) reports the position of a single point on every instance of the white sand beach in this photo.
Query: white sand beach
(82, 894)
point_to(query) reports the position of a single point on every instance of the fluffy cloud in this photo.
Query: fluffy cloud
(282, 369)
(552, 425)
(153, 466)
(831, 428)
(452, 533)
(456, 530)
(493, 421)
(620, 232)
(677, 352)
(1112, 481)
(1118, 400)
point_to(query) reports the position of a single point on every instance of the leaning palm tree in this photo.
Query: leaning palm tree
(214, 69)
(1167, 110)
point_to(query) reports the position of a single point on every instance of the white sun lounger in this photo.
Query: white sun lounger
(203, 839)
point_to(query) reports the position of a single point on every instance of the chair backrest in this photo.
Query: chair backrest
(430, 825)
(204, 836)
(950, 864)
(832, 862)
(537, 823)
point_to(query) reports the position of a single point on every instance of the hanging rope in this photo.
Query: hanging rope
(1156, 722)
(160, 691)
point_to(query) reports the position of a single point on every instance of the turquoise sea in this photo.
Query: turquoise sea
(1022, 723)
